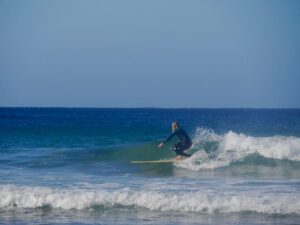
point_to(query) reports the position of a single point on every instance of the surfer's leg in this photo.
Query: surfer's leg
(176, 148)
(184, 147)
(179, 149)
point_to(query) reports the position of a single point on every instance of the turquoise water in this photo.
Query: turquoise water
(72, 166)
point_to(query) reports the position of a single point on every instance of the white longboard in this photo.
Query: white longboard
(158, 161)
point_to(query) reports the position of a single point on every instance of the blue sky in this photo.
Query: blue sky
(150, 53)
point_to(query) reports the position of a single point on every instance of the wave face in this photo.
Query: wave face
(215, 151)
(157, 199)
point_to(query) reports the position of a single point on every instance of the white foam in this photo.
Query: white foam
(204, 200)
(233, 147)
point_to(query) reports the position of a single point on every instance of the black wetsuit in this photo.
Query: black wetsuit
(184, 143)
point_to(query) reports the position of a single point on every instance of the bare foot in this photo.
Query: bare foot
(178, 157)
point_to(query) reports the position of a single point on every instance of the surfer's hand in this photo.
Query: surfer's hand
(160, 145)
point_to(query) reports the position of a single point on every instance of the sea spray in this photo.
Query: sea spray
(231, 147)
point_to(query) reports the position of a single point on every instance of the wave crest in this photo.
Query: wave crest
(206, 201)
(214, 150)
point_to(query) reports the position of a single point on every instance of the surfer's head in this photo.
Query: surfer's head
(175, 125)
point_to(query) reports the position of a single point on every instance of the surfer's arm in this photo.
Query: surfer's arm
(170, 137)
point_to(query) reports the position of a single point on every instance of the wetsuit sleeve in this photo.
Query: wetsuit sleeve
(170, 137)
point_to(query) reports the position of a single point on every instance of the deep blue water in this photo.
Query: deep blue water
(72, 165)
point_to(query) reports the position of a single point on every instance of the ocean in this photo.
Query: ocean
(72, 166)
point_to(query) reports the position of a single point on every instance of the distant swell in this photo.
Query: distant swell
(197, 201)
(214, 151)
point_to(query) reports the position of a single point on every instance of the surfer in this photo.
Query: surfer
(184, 143)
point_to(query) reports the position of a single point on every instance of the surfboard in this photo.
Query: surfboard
(158, 161)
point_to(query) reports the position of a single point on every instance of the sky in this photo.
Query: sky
(202, 54)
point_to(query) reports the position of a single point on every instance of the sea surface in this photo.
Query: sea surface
(72, 166)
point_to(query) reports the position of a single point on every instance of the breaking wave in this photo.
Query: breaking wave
(215, 151)
(205, 201)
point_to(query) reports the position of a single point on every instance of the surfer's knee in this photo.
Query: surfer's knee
(175, 147)
(178, 151)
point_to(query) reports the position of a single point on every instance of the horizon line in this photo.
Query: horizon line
(141, 107)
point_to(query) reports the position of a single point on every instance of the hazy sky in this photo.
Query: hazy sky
(150, 53)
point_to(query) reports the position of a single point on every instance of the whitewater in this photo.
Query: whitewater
(232, 147)
(227, 199)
